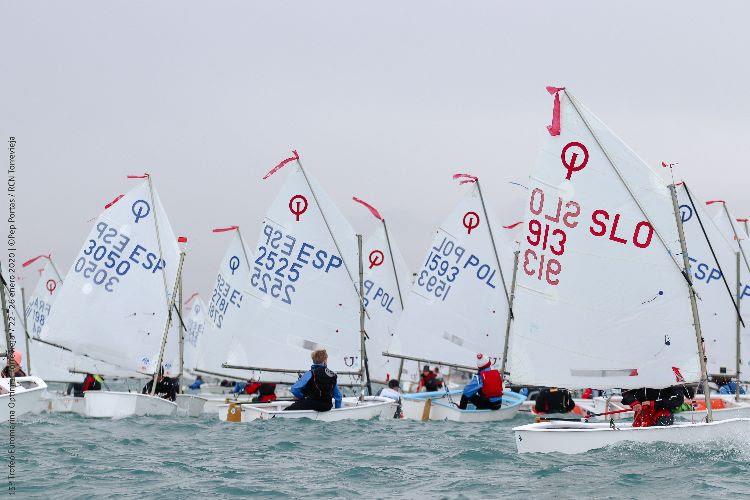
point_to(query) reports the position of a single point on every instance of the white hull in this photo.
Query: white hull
(352, 409)
(110, 404)
(441, 407)
(27, 397)
(724, 407)
(579, 437)
(60, 403)
(190, 405)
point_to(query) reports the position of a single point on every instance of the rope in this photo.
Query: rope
(723, 278)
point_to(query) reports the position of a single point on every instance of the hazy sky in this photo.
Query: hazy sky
(384, 100)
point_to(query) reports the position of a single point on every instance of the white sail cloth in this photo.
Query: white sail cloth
(457, 306)
(195, 316)
(600, 298)
(230, 313)
(302, 284)
(114, 303)
(716, 298)
(386, 282)
(737, 236)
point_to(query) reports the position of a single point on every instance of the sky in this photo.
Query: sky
(383, 100)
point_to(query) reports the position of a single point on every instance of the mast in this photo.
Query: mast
(169, 322)
(6, 325)
(494, 249)
(182, 334)
(25, 329)
(739, 361)
(736, 236)
(510, 306)
(693, 305)
(363, 368)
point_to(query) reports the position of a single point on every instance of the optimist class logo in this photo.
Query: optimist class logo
(571, 162)
(376, 258)
(51, 285)
(298, 205)
(471, 221)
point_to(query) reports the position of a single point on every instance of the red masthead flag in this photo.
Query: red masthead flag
(144, 176)
(554, 129)
(224, 229)
(281, 164)
(373, 210)
(182, 239)
(31, 261)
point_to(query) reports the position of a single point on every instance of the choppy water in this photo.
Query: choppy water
(66, 456)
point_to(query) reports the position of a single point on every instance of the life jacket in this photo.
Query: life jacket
(266, 393)
(321, 384)
(554, 401)
(429, 380)
(91, 384)
(492, 384)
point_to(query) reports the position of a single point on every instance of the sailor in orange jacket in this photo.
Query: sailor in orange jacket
(485, 390)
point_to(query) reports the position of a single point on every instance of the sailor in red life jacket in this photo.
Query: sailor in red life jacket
(266, 391)
(485, 390)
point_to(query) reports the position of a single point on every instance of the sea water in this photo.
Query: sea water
(68, 456)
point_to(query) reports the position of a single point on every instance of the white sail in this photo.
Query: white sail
(302, 283)
(114, 302)
(195, 316)
(383, 295)
(457, 306)
(716, 297)
(230, 313)
(600, 299)
(735, 234)
(52, 363)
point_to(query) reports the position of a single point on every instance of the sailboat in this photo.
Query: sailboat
(118, 300)
(458, 306)
(604, 295)
(18, 395)
(302, 284)
(715, 277)
(51, 362)
(227, 315)
(386, 281)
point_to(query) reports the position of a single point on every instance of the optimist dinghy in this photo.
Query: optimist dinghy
(303, 296)
(442, 406)
(605, 298)
(580, 437)
(458, 305)
(50, 362)
(351, 409)
(125, 278)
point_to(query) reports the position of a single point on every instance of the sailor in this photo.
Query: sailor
(266, 391)
(166, 387)
(727, 385)
(485, 389)
(438, 378)
(653, 406)
(197, 384)
(392, 391)
(18, 372)
(90, 383)
(315, 389)
(428, 380)
(554, 400)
